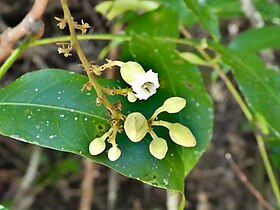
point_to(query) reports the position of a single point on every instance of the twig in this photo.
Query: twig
(172, 201)
(86, 64)
(24, 198)
(247, 183)
(112, 190)
(31, 24)
(87, 185)
(251, 13)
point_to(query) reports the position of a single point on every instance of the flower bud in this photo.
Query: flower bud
(158, 148)
(171, 105)
(181, 135)
(131, 97)
(97, 146)
(130, 71)
(136, 126)
(114, 153)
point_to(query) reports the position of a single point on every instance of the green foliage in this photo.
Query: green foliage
(254, 40)
(259, 85)
(207, 18)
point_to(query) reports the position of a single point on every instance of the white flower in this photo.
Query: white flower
(144, 84)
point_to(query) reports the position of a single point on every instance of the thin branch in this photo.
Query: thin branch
(86, 64)
(24, 197)
(87, 185)
(247, 183)
(31, 24)
(251, 13)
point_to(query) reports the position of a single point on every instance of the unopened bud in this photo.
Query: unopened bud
(97, 146)
(181, 135)
(135, 126)
(130, 71)
(158, 148)
(114, 153)
(171, 105)
(131, 97)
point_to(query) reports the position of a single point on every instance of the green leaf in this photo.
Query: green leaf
(253, 40)
(225, 9)
(193, 58)
(207, 19)
(259, 85)
(162, 22)
(47, 108)
(274, 151)
(112, 9)
(177, 78)
(184, 14)
(159, 23)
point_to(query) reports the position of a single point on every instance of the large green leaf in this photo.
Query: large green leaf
(162, 22)
(177, 78)
(207, 18)
(47, 108)
(259, 85)
(254, 40)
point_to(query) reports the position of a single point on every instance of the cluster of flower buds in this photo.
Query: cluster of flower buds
(137, 126)
(98, 145)
(65, 48)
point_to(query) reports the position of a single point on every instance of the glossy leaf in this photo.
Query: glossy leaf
(177, 78)
(47, 108)
(207, 19)
(184, 14)
(160, 23)
(254, 40)
(259, 85)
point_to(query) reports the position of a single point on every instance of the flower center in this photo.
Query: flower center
(148, 86)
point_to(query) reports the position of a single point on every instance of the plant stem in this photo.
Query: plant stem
(86, 64)
(11, 59)
(245, 110)
(268, 167)
(45, 41)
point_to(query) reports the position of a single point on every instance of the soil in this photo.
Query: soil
(212, 184)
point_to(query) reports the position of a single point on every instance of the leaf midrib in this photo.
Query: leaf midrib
(52, 107)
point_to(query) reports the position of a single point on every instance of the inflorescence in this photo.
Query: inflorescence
(142, 85)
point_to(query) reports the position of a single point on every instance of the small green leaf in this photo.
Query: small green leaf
(259, 85)
(207, 19)
(112, 9)
(192, 58)
(254, 40)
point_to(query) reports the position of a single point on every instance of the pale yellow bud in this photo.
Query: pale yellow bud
(158, 148)
(171, 105)
(181, 135)
(131, 97)
(130, 71)
(178, 133)
(97, 146)
(135, 126)
(114, 153)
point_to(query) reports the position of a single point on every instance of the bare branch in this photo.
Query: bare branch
(247, 183)
(31, 24)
